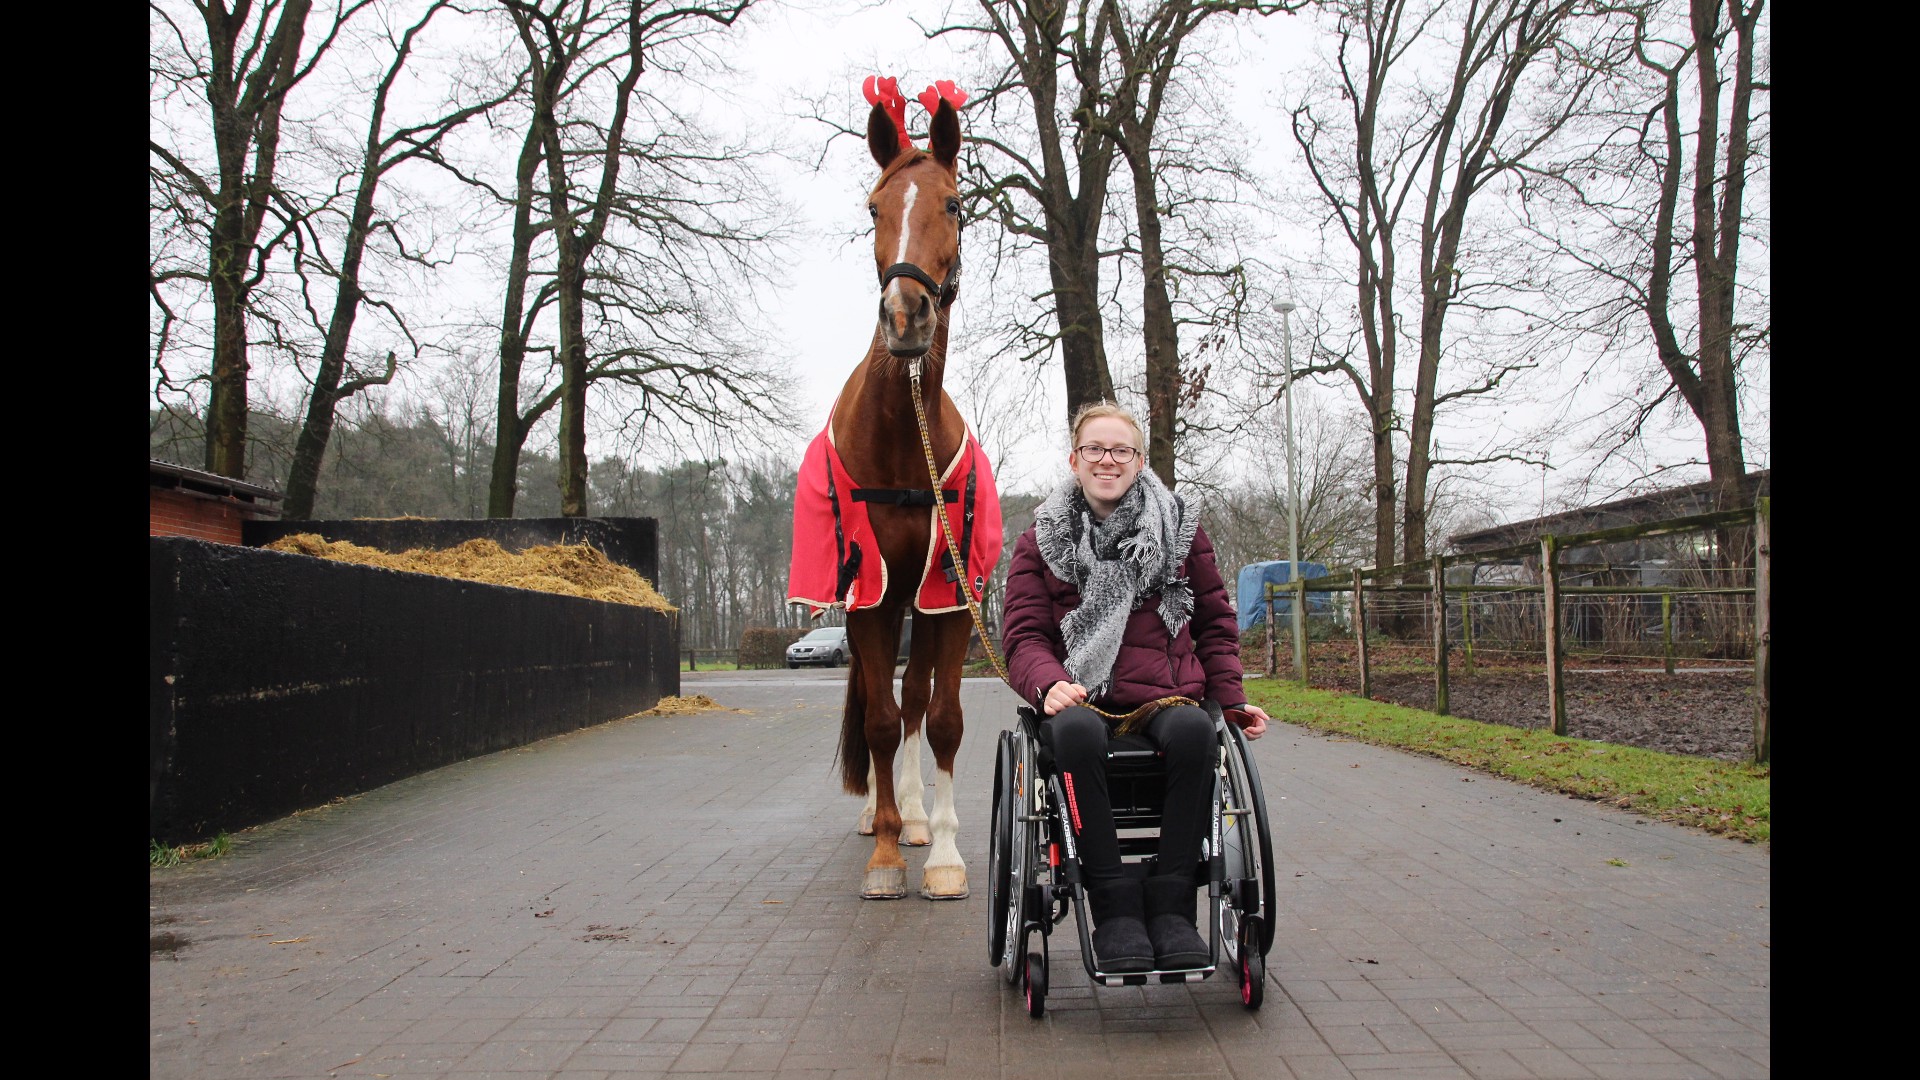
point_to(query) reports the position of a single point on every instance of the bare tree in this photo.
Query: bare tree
(1379, 140)
(1473, 146)
(243, 61)
(1247, 520)
(382, 152)
(648, 221)
(1618, 216)
(1148, 44)
(1042, 165)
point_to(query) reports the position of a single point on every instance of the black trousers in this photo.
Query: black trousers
(1184, 736)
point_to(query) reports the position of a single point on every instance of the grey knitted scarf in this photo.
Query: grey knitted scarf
(1116, 564)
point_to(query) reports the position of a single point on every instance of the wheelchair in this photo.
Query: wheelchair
(1034, 877)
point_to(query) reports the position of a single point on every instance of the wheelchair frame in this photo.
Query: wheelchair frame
(1034, 877)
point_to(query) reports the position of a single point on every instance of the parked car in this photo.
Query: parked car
(825, 645)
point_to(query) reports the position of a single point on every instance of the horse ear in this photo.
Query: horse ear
(945, 136)
(882, 137)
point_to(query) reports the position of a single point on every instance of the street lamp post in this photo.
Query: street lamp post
(1285, 309)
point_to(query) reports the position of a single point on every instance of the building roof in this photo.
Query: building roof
(1653, 506)
(167, 474)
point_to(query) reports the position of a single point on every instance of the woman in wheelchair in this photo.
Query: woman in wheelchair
(1113, 606)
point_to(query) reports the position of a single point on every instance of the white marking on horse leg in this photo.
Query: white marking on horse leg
(865, 827)
(909, 786)
(945, 877)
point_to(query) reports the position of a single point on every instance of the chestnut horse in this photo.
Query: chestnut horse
(915, 208)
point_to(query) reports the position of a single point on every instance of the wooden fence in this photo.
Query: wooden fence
(1389, 580)
(691, 657)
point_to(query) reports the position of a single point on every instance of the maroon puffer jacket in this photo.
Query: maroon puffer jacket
(1202, 661)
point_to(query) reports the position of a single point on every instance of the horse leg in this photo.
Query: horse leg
(886, 873)
(909, 781)
(865, 828)
(886, 876)
(945, 875)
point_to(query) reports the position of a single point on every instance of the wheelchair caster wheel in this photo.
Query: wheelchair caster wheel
(1036, 985)
(1252, 971)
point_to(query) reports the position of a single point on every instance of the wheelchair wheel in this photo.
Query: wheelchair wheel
(1003, 895)
(1250, 967)
(1014, 865)
(1036, 984)
(1247, 844)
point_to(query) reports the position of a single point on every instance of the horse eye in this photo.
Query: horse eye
(953, 207)
(873, 211)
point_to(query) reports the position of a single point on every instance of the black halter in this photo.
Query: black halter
(948, 291)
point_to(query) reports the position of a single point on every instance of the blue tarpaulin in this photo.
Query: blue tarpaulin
(1252, 596)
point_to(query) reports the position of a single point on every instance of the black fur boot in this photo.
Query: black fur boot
(1177, 944)
(1120, 942)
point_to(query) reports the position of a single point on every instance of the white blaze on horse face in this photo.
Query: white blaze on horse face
(906, 231)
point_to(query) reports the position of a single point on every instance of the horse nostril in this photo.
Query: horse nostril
(926, 306)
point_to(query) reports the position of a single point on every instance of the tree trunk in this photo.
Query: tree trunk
(1161, 334)
(1716, 234)
(246, 117)
(310, 449)
(573, 383)
(510, 428)
(1074, 265)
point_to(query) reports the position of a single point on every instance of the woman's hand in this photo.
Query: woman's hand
(1252, 720)
(1063, 695)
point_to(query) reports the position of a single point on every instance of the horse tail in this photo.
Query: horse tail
(854, 755)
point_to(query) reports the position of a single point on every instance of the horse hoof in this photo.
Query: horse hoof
(866, 823)
(915, 834)
(944, 883)
(886, 883)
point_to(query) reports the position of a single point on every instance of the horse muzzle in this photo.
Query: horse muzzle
(909, 317)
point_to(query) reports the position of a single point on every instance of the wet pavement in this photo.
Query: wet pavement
(678, 895)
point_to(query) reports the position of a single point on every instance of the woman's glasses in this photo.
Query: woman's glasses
(1121, 455)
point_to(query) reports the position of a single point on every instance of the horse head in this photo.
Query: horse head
(915, 207)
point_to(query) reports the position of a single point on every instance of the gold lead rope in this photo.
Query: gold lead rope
(1130, 721)
(946, 527)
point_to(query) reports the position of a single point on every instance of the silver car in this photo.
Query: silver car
(825, 645)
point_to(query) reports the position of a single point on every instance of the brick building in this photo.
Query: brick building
(189, 502)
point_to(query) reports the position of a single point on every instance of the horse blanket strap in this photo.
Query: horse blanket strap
(836, 556)
(905, 496)
(966, 544)
(849, 567)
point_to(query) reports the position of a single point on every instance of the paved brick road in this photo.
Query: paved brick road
(677, 896)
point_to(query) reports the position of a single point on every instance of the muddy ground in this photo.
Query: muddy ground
(1705, 714)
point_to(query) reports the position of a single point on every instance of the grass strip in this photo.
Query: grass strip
(1733, 800)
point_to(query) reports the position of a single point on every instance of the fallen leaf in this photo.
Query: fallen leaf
(288, 941)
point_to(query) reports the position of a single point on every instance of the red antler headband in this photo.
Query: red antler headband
(886, 94)
(944, 90)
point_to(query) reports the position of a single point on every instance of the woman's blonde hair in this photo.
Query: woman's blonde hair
(1094, 410)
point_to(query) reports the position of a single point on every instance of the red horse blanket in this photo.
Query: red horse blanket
(836, 558)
